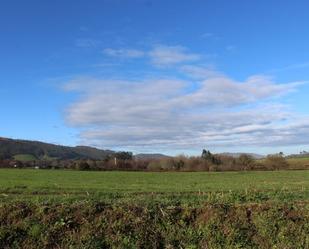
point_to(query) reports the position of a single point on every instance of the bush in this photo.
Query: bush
(245, 162)
(154, 166)
(82, 165)
(276, 162)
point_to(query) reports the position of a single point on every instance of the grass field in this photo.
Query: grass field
(40, 184)
(24, 157)
(228, 210)
(300, 159)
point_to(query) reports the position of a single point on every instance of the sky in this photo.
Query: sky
(160, 76)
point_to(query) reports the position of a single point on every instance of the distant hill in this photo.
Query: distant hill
(304, 154)
(26, 150)
(236, 155)
(19, 149)
(150, 156)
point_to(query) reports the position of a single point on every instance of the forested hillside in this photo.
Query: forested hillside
(10, 148)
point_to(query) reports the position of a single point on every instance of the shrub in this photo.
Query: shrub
(154, 166)
(276, 162)
(82, 165)
(245, 162)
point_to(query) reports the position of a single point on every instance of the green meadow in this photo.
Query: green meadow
(116, 185)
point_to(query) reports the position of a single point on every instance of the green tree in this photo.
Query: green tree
(209, 157)
(124, 155)
(82, 165)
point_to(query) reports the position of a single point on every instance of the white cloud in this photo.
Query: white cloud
(201, 107)
(295, 66)
(170, 55)
(208, 35)
(87, 43)
(230, 48)
(199, 72)
(124, 53)
(159, 55)
(164, 114)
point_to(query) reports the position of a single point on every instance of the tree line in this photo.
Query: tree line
(126, 161)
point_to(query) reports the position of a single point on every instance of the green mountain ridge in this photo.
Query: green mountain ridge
(11, 148)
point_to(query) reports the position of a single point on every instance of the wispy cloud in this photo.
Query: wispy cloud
(292, 67)
(170, 55)
(200, 72)
(208, 35)
(87, 43)
(124, 53)
(159, 55)
(230, 48)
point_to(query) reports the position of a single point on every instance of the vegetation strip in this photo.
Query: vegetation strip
(74, 209)
(153, 225)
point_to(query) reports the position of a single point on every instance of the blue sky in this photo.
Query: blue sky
(157, 76)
